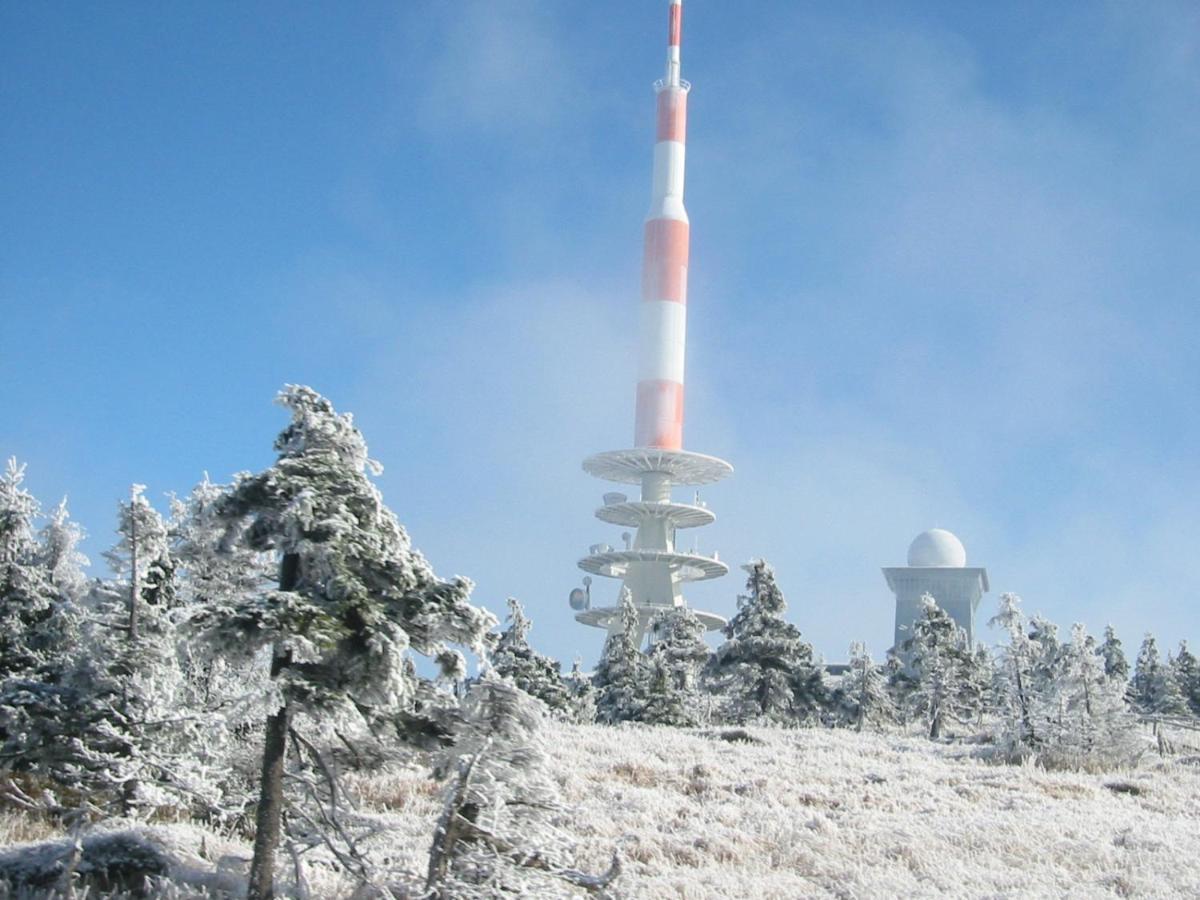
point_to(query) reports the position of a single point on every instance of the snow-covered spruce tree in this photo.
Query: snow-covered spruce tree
(1019, 702)
(765, 669)
(1048, 655)
(1088, 724)
(72, 723)
(27, 593)
(676, 659)
(59, 553)
(499, 834)
(132, 636)
(981, 680)
(1116, 666)
(213, 570)
(622, 676)
(1187, 675)
(98, 716)
(142, 557)
(900, 683)
(148, 741)
(863, 694)
(353, 595)
(1154, 690)
(535, 674)
(40, 712)
(943, 692)
(582, 693)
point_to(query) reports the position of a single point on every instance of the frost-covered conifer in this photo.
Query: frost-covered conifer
(1088, 724)
(534, 673)
(1187, 675)
(59, 553)
(900, 683)
(1116, 666)
(1047, 658)
(27, 593)
(583, 694)
(1015, 683)
(142, 557)
(353, 595)
(981, 679)
(147, 742)
(45, 705)
(497, 835)
(765, 669)
(133, 630)
(100, 715)
(623, 674)
(212, 569)
(1154, 690)
(864, 693)
(940, 658)
(676, 658)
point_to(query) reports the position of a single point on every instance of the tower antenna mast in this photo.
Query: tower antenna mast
(651, 568)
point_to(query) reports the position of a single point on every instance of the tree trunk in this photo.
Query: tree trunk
(270, 808)
(267, 818)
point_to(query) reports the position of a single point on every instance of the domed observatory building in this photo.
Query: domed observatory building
(937, 565)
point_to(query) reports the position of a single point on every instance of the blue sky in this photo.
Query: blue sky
(944, 272)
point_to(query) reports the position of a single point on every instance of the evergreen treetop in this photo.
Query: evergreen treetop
(765, 668)
(621, 678)
(534, 673)
(1187, 676)
(944, 690)
(27, 592)
(1115, 664)
(676, 658)
(357, 594)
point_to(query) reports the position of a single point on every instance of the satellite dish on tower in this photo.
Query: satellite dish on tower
(578, 599)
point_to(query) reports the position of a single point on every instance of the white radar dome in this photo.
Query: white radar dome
(937, 549)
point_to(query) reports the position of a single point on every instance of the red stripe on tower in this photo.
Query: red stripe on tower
(674, 24)
(659, 415)
(672, 115)
(665, 260)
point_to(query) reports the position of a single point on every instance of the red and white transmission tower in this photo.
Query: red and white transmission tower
(650, 566)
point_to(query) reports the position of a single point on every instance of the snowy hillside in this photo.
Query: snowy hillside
(809, 812)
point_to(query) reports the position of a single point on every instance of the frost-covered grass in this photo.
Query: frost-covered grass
(809, 813)
(816, 813)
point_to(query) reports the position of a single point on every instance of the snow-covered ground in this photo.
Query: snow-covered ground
(819, 813)
(814, 813)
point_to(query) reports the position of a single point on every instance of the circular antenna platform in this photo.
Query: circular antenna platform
(599, 617)
(684, 566)
(634, 512)
(681, 466)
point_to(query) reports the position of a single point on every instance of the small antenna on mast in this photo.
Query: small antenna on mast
(674, 37)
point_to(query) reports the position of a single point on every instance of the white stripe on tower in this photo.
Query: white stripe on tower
(663, 330)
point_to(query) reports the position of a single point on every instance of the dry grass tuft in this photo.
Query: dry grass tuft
(21, 828)
(637, 774)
